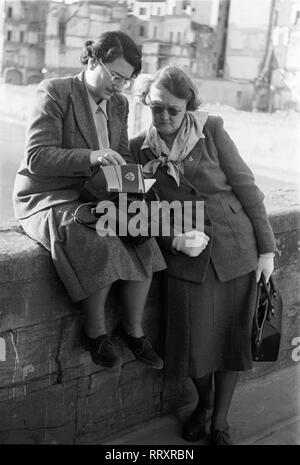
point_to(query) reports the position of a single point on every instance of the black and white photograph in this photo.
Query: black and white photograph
(149, 225)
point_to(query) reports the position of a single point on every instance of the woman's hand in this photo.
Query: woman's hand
(105, 157)
(191, 243)
(265, 265)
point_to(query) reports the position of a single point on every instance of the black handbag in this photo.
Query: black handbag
(123, 218)
(124, 187)
(266, 328)
(88, 214)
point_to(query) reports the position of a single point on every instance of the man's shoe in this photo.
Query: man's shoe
(194, 427)
(141, 348)
(103, 351)
(220, 438)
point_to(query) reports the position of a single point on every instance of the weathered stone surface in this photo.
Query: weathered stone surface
(30, 353)
(21, 258)
(26, 303)
(44, 416)
(51, 391)
(288, 245)
(109, 402)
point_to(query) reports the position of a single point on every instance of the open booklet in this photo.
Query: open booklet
(126, 178)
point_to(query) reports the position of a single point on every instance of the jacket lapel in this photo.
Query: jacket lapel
(191, 162)
(82, 112)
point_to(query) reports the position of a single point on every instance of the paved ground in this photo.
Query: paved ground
(264, 411)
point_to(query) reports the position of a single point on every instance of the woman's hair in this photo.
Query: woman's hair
(176, 81)
(111, 45)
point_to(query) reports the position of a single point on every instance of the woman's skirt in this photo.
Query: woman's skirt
(86, 262)
(208, 325)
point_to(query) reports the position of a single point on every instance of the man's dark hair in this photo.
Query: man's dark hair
(111, 45)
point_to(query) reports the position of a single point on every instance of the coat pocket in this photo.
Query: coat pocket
(239, 222)
(234, 204)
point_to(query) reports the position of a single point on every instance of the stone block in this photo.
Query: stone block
(111, 402)
(43, 416)
(27, 303)
(52, 392)
(31, 352)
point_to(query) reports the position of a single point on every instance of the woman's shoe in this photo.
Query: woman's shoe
(102, 349)
(220, 438)
(194, 427)
(141, 348)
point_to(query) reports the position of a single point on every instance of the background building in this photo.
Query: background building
(22, 40)
(244, 53)
(285, 63)
(263, 47)
(68, 26)
(175, 31)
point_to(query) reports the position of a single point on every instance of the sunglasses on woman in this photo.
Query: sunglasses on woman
(158, 109)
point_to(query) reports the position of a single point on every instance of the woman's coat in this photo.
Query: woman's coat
(236, 219)
(62, 133)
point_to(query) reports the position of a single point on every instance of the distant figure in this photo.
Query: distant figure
(78, 124)
(212, 282)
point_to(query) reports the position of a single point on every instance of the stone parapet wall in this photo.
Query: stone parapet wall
(50, 390)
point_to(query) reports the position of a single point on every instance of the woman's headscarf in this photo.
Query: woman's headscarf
(191, 130)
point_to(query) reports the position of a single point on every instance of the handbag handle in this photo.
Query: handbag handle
(268, 290)
(267, 314)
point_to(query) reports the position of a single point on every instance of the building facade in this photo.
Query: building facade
(170, 34)
(68, 26)
(263, 47)
(22, 41)
(45, 39)
(285, 77)
(244, 42)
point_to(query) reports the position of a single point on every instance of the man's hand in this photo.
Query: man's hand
(105, 157)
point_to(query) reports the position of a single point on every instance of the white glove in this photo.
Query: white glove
(265, 265)
(191, 243)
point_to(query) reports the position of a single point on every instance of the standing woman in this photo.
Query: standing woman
(78, 124)
(212, 284)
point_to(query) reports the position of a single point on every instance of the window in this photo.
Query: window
(142, 31)
(32, 37)
(171, 36)
(158, 11)
(62, 33)
(9, 12)
(154, 32)
(22, 36)
(239, 95)
(178, 36)
(297, 18)
(21, 60)
(8, 37)
(143, 11)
